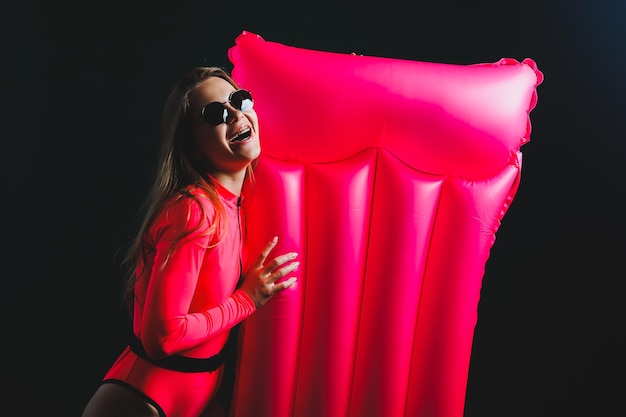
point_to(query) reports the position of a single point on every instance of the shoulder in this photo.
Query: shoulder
(190, 208)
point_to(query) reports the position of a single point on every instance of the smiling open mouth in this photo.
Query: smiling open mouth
(241, 136)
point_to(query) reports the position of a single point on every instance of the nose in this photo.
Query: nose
(233, 114)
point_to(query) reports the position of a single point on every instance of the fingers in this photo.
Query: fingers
(275, 285)
(266, 251)
(268, 269)
(284, 285)
(282, 272)
(265, 279)
(277, 262)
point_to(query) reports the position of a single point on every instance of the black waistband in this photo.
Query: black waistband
(177, 362)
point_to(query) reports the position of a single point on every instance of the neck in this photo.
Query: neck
(233, 182)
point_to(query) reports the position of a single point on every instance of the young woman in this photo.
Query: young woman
(188, 281)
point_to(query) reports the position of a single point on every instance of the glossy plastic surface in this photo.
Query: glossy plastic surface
(390, 178)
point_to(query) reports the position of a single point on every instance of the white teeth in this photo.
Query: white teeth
(241, 135)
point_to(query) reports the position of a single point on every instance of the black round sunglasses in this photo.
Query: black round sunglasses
(216, 113)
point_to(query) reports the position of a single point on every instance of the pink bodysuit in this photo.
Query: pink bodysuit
(188, 307)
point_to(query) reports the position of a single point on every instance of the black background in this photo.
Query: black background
(83, 88)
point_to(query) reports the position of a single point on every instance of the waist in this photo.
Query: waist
(178, 362)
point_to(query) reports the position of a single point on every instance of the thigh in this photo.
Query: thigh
(114, 400)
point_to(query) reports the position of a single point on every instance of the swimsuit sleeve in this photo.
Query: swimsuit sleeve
(167, 326)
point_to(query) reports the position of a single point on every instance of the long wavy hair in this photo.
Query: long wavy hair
(177, 169)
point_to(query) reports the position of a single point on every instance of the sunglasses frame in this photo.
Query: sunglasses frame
(213, 119)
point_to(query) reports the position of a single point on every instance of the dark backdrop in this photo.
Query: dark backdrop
(83, 85)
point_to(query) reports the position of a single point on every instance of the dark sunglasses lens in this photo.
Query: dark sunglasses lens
(215, 113)
(242, 100)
